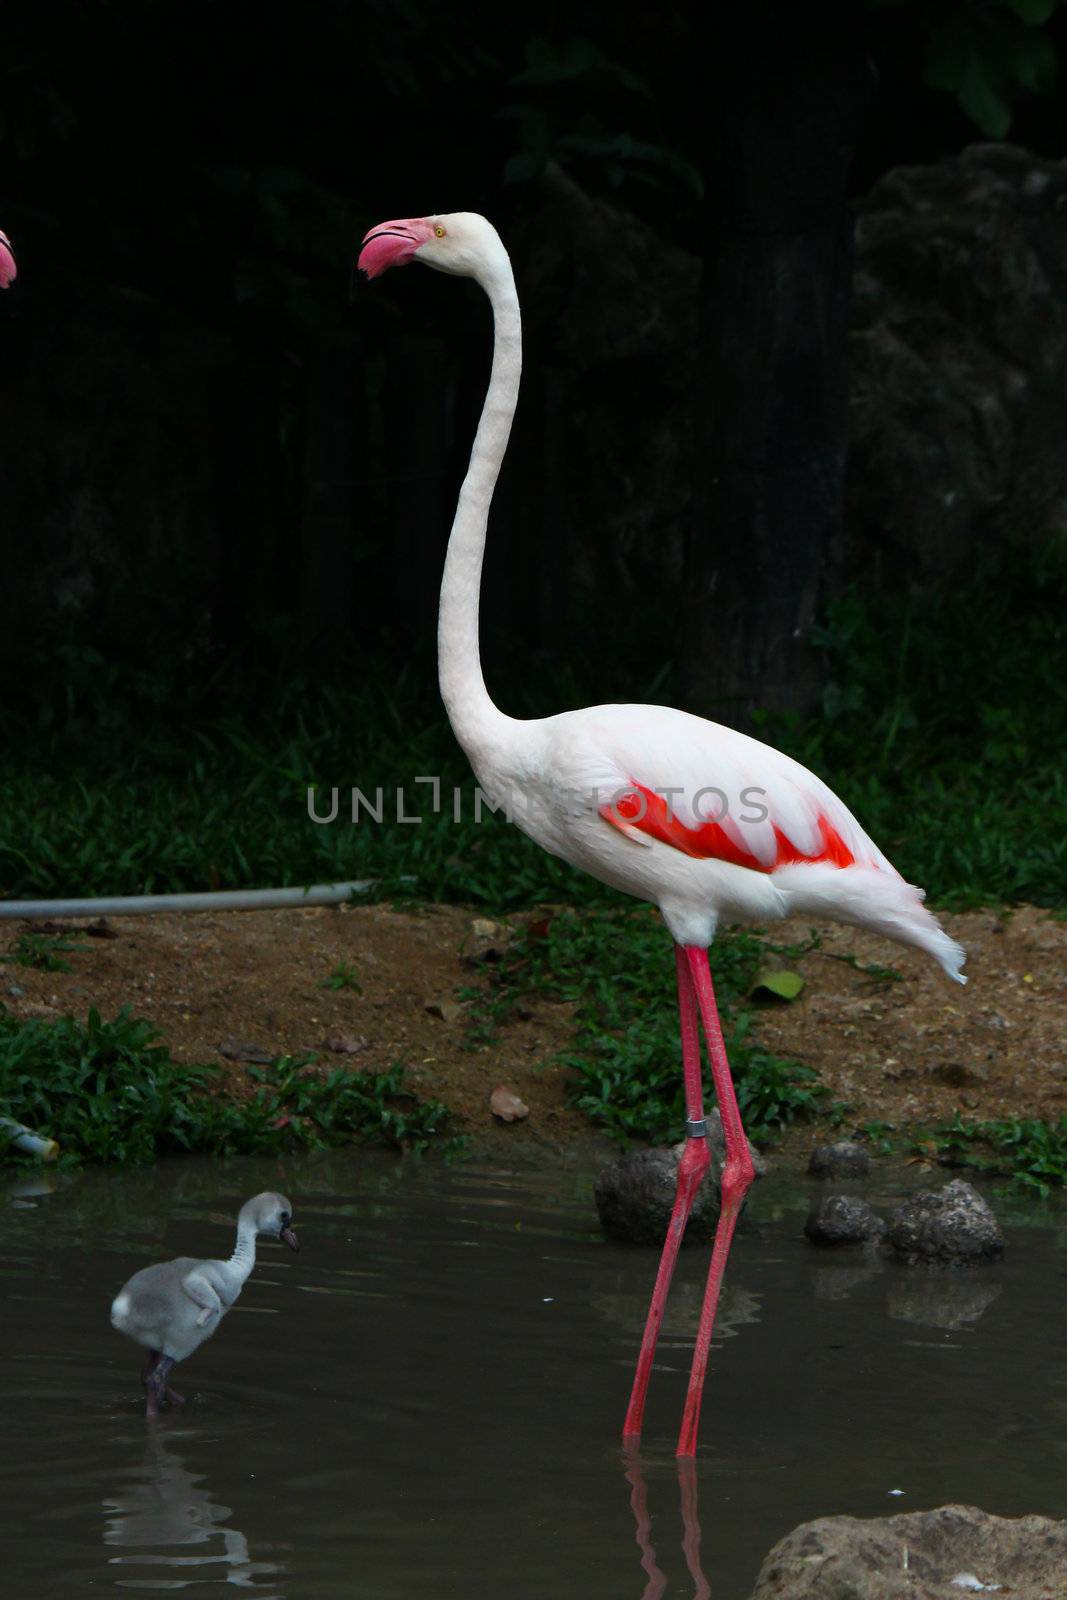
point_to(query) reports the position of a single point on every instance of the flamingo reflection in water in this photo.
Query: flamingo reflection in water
(167, 1506)
(687, 1484)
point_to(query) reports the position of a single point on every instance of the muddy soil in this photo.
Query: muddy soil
(912, 1049)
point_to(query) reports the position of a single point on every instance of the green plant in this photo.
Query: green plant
(1032, 1154)
(870, 969)
(342, 977)
(110, 1091)
(43, 950)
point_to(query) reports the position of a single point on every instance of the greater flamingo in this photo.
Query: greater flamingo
(704, 822)
(8, 270)
(172, 1307)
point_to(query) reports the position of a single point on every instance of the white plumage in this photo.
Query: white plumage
(172, 1307)
(703, 821)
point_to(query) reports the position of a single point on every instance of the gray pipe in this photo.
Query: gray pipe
(146, 905)
(25, 1139)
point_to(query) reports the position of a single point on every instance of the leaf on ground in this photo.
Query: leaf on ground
(776, 983)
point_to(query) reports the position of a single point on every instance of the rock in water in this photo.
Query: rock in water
(635, 1195)
(921, 1555)
(953, 1224)
(843, 1219)
(841, 1160)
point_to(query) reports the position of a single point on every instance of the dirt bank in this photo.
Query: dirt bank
(908, 1050)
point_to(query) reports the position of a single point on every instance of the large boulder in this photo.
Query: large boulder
(843, 1159)
(949, 1225)
(958, 362)
(635, 1195)
(922, 1555)
(843, 1219)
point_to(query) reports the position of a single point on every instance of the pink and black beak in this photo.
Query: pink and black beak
(8, 270)
(393, 244)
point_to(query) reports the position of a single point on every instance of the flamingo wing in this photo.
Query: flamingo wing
(712, 793)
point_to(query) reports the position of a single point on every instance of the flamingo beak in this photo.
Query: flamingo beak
(392, 244)
(289, 1238)
(8, 270)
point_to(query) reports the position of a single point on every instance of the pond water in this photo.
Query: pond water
(426, 1400)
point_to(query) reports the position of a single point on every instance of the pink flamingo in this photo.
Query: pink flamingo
(8, 269)
(704, 822)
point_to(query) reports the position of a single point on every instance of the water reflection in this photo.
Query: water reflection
(738, 1307)
(942, 1301)
(167, 1507)
(687, 1485)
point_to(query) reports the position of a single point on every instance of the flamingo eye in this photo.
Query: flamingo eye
(438, 230)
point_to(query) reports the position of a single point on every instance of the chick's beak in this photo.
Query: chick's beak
(288, 1237)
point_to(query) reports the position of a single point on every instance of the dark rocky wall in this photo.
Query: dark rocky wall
(153, 468)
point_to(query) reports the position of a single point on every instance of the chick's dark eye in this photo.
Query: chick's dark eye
(286, 1219)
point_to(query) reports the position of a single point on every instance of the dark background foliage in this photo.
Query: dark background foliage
(208, 445)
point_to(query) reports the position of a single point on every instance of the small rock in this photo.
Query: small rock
(635, 1195)
(843, 1219)
(241, 1050)
(347, 1044)
(961, 1074)
(445, 1010)
(101, 929)
(953, 1224)
(486, 944)
(16, 991)
(844, 1159)
(507, 1105)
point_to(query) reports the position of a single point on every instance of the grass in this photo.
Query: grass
(617, 970)
(942, 724)
(1032, 1154)
(342, 977)
(111, 1092)
(44, 951)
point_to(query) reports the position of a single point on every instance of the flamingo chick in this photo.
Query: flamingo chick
(704, 822)
(8, 270)
(173, 1307)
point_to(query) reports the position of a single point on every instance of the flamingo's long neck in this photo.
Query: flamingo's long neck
(477, 723)
(243, 1259)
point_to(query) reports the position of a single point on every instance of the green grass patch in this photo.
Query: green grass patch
(342, 977)
(111, 1092)
(45, 951)
(1032, 1154)
(942, 724)
(616, 967)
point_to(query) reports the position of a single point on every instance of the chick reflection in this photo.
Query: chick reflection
(166, 1506)
(687, 1484)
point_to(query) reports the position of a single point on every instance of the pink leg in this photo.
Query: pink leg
(691, 1169)
(737, 1175)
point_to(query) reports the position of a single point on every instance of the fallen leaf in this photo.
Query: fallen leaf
(446, 1010)
(776, 983)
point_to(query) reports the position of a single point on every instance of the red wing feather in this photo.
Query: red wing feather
(649, 812)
